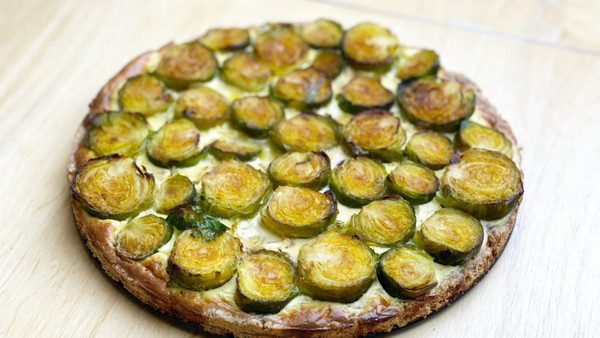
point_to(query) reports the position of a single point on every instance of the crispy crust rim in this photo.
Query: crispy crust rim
(221, 317)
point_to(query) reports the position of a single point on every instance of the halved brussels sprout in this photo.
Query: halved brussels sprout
(431, 149)
(303, 88)
(280, 48)
(322, 33)
(406, 271)
(369, 46)
(486, 184)
(415, 182)
(256, 115)
(176, 143)
(307, 170)
(113, 187)
(385, 222)
(435, 103)
(306, 132)
(450, 235)
(299, 212)
(358, 181)
(336, 267)
(414, 64)
(265, 282)
(330, 62)
(226, 39)
(116, 133)
(362, 93)
(473, 135)
(376, 133)
(144, 94)
(240, 148)
(175, 191)
(184, 64)
(202, 265)
(242, 71)
(233, 189)
(142, 237)
(203, 106)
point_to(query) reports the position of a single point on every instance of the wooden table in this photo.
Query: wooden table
(537, 61)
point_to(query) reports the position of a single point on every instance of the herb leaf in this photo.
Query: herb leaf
(206, 227)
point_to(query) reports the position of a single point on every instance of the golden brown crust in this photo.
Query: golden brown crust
(147, 281)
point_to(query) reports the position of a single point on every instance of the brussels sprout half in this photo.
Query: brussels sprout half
(242, 71)
(358, 181)
(240, 148)
(362, 93)
(116, 133)
(303, 88)
(307, 170)
(322, 33)
(473, 135)
(417, 64)
(142, 237)
(226, 39)
(433, 150)
(415, 182)
(144, 94)
(306, 132)
(385, 222)
(406, 271)
(256, 115)
(184, 64)
(369, 46)
(203, 106)
(175, 191)
(113, 187)
(280, 48)
(330, 62)
(176, 143)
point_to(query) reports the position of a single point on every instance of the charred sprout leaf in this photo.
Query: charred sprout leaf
(484, 183)
(358, 181)
(307, 170)
(322, 33)
(330, 62)
(256, 115)
(176, 143)
(306, 132)
(369, 46)
(175, 191)
(226, 39)
(417, 63)
(240, 148)
(184, 64)
(280, 48)
(375, 133)
(144, 94)
(336, 267)
(142, 237)
(242, 71)
(406, 271)
(303, 88)
(265, 282)
(362, 93)
(450, 235)
(113, 187)
(385, 222)
(473, 135)
(116, 133)
(203, 106)
(416, 183)
(433, 150)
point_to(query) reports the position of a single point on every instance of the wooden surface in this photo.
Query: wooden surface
(537, 61)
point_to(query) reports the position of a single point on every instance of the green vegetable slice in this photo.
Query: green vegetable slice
(280, 48)
(184, 64)
(435, 103)
(336, 267)
(176, 143)
(297, 169)
(303, 88)
(415, 182)
(358, 181)
(256, 115)
(434, 150)
(142, 237)
(406, 271)
(385, 222)
(265, 282)
(375, 133)
(226, 39)
(330, 62)
(369, 46)
(450, 235)
(474, 135)
(175, 191)
(233, 189)
(113, 187)
(322, 33)
(417, 63)
(299, 212)
(202, 265)
(206, 227)
(144, 94)
(203, 106)
(306, 132)
(240, 148)
(486, 184)
(362, 93)
(242, 71)
(116, 133)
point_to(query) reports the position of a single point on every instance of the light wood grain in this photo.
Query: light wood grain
(55, 55)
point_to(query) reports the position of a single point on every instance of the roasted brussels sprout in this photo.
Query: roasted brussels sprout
(176, 143)
(369, 46)
(303, 88)
(486, 184)
(414, 64)
(144, 94)
(385, 222)
(116, 133)
(322, 33)
(142, 237)
(450, 235)
(362, 93)
(184, 64)
(202, 265)
(435, 103)
(406, 271)
(233, 189)
(280, 48)
(113, 187)
(256, 115)
(299, 212)
(358, 181)
(265, 282)
(375, 133)
(175, 191)
(240, 148)
(226, 39)
(431, 149)
(306, 132)
(330, 62)
(203, 106)
(307, 170)
(473, 135)
(415, 182)
(336, 267)
(242, 71)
